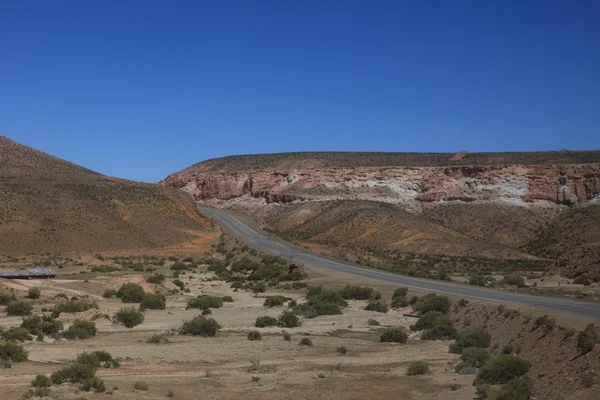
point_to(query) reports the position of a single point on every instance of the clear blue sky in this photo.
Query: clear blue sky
(140, 89)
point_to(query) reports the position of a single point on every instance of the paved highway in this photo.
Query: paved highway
(265, 243)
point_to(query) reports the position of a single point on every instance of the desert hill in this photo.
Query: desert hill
(504, 206)
(48, 205)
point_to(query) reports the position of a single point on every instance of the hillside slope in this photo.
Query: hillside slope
(486, 205)
(48, 205)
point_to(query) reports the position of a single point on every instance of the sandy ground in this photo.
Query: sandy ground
(229, 365)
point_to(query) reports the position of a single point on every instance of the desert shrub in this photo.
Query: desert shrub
(129, 316)
(206, 311)
(588, 338)
(474, 356)
(394, 335)
(432, 302)
(417, 368)
(305, 342)
(398, 302)
(463, 303)
(205, 301)
(373, 322)
(286, 336)
(341, 349)
(156, 301)
(315, 307)
(502, 369)
(351, 292)
(259, 287)
(74, 373)
(179, 283)
(470, 338)
(546, 322)
(262, 322)
(93, 384)
(427, 320)
(507, 349)
(6, 298)
(34, 293)
(237, 285)
(400, 292)
(477, 280)
(288, 320)
(156, 279)
(227, 299)
(18, 308)
(442, 330)
(41, 381)
(108, 293)
(179, 266)
(73, 306)
(254, 335)
(516, 389)
(12, 351)
(80, 329)
(582, 280)
(131, 293)
(378, 306)
(16, 333)
(140, 385)
(158, 338)
(200, 326)
(98, 359)
(514, 280)
(272, 301)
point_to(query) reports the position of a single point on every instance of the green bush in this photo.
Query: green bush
(200, 326)
(44, 324)
(34, 293)
(262, 322)
(514, 280)
(400, 292)
(588, 338)
(428, 320)
(470, 338)
(74, 373)
(206, 311)
(437, 326)
(478, 280)
(108, 293)
(6, 298)
(140, 385)
(305, 342)
(156, 301)
(16, 333)
(394, 335)
(94, 384)
(158, 338)
(98, 359)
(546, 322)
(272, 301)
(463, 303)
(129, 316)
(417, 368)
(205, 301)
(131, 293)
(432, 302)
(351, 292)
(378, 306)
(80, 329)
(500, 370)
(474, 356)
(373, 322)
(288, 320)
(73, 306)
(156, 279)
(341, 349)
(398, 302)
(41, 381)
(259, 287)
(12, 351)
(179, 283)
(315, 307)
(227, 299)
(254, 335)
(19, 308)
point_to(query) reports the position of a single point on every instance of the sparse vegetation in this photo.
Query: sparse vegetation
(470, 338)
(254, 335)
(156, 301)
(140, 385)
(378, 306)
(73, 306)
(129, 316)
(588, 338)
(417, 368)
(34, 293)
(272, 301)
(288, 320)
(393, 335)
(205, 301)
(341, 349)
(262, 322)
(305, 342)
(131, 293)
(19, 308)
(200, 326)
(81, 329)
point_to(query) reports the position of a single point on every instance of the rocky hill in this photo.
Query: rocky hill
(48, 205)
(479, 204)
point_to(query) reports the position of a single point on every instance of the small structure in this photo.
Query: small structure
(33, 273)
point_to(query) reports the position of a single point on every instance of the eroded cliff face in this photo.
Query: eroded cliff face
(515, 184)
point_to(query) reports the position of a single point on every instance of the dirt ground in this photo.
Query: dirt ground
(229, 364)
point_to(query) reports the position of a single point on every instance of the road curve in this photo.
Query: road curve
(265, 243)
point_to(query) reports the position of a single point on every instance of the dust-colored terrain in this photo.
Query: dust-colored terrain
(48, 205)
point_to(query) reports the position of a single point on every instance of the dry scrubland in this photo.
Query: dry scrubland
(336, 352)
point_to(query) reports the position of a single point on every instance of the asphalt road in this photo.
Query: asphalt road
(266, 243)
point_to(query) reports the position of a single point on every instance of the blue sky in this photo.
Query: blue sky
(140, 89)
